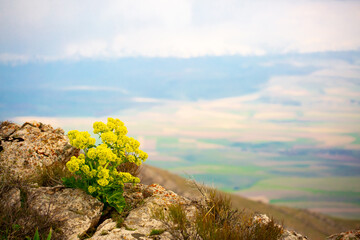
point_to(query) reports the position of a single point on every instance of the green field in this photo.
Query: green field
(271, 172)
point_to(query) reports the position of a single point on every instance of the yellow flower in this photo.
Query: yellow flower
(118, 161)
(73, 166)
(138, 162)
(103, 173)
(72, 135)
(103, 182)
(127, 177)
(134, 143)
(81, 159)
(128, 148)
(118, 122)
(131, 158)
(111, 124)
(121, 130)
(100, 127)
(108, 137)
(91, 153)
(114, 172)
(91, 189)
(143, 155)
(93, 173)
(105, 154)
(85, 168)
(80, 140)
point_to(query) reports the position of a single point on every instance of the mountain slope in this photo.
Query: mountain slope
(313, 225)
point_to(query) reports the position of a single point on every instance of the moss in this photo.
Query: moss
(156, 232)
(130, 229)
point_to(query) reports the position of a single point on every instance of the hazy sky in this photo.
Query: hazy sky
(49, 30)
(274, 70)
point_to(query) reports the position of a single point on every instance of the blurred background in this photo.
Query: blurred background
(257, 98)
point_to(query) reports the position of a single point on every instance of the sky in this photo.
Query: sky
(280, 78)
(275, 61)
(46, 30)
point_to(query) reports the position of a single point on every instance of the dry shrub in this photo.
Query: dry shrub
(216, 219)
(130, 167)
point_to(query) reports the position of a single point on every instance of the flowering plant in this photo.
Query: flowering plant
(97, 170)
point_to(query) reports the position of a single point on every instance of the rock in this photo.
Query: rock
(292, 235)
(287, 234)
(140, 222)
(76, 209)
(24, 149)
(349, 235)
(7, 128)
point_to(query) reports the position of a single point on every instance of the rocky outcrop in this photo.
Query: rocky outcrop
(140, 221)
(349, 235)
(24, 149)
(77, 210)
(287, 235)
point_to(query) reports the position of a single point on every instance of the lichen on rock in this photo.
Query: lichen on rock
(77, 210)
(26, 148)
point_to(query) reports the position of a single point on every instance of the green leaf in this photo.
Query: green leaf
(49, 236)
(117, 201)
(36, 236)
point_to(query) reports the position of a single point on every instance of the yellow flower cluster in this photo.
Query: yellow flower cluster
(108, 137)
(102, 153)
(98, 167)
(91, 189)
(114, 134)
(75, 163)
(80, 140)
(127, 177)
(100, 127)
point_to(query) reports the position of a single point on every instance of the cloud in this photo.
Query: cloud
(146, 100)
(50, 30)
(93, 88)
(13, 58)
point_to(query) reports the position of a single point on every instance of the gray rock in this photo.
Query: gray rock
(140, 222)
(287, 234)
(349, 235)
(24, 149)
(76, 209)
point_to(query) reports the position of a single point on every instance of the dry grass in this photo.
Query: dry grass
(50, 176)
(18, 221)
(216, 219)
(174, 218)
(5, 123)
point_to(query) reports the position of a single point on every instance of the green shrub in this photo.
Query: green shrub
(99, 170)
